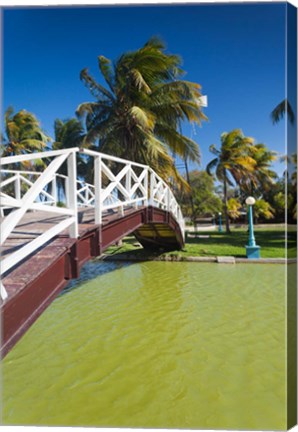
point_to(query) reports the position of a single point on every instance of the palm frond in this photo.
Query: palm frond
(211, 166)
(142, 117)
(106, 69)
(280, 110)
(96, 89)
(139, 81)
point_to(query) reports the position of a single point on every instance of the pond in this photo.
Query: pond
(156, 344)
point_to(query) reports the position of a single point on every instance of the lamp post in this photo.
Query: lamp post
(252, 249)
(219, 223)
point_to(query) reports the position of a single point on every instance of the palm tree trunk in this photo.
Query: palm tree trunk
(226, 205)
(190, 196)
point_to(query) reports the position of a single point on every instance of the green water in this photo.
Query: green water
(156, 344)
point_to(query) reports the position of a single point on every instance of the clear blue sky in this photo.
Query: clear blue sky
(235, 51)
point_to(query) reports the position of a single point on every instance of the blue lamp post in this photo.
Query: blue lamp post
(219, 223)
(252, 250)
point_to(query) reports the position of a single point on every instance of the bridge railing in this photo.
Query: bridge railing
(118, 185)
(129, 183)
(162, 196)
(22, 194)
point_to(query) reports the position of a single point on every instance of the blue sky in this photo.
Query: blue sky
(235, 51)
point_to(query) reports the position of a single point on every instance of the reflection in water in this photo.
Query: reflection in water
(156, 344)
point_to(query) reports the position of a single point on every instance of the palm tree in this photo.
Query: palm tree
(140, 113)
(69, 133)
(23, 134)
(280, 110)
(232, 162)
(263, 209)
(262, 177)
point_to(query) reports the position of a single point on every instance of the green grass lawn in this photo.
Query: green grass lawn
(271, 240)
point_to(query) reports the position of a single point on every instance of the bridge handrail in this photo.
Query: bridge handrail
(22, 204)
(118, 183)
(110, 157)
(167, 201)
(41, 155)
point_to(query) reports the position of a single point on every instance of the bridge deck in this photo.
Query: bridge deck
(35, 223)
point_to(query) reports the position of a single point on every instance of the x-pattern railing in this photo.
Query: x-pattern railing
(162, 196)
(118, 184)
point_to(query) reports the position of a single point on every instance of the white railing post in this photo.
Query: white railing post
(54, 189)
(168, 199)
(97, 184)
(146, 201)
(86, 193)
(17, 187)
(151, 199)
(66, 184)
(72, 192)
(128, 180)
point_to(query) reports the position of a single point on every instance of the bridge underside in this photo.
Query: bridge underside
(157, 235)
(35, 283)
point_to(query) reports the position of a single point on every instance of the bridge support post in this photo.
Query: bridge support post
(17, 187)
(97, 184)
(54, 189)
(146, 202)
(151, 198)
(72, 193)
(168, 200)
(96, 243)
(128, 181)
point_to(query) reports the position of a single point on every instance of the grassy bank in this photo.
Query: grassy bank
(212, 243)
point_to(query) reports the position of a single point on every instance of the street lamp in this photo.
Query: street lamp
(219, 223)
(252, 250)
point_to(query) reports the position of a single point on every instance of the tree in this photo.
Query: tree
(205, 201)
(290, 183)
(293, 162)
(232, 163)
(275, 196)
(277, 114)
(233, 208)
(139, 114)
(263, 209)
(23, 134)
(262, 177)
(279, 204)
